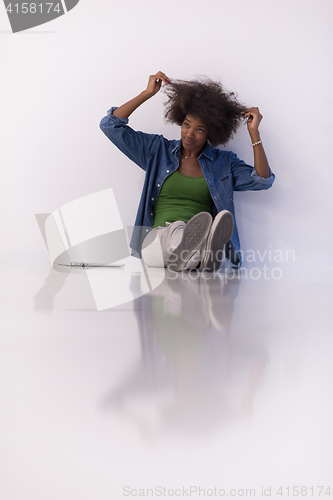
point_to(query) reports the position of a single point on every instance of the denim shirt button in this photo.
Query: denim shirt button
(158, 185)
(147, 230)
(168, 171)
(152, 199)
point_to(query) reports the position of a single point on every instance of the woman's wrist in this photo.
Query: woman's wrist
(255, 135)
(145, 94)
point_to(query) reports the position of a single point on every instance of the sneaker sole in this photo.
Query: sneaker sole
(195, 233)
(221, 232)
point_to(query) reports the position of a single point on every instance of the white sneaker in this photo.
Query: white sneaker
(194, 236)
(220, 233)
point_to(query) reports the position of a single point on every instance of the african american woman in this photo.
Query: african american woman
(186, 215)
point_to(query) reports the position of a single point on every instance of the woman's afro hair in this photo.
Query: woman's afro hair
(206, 100)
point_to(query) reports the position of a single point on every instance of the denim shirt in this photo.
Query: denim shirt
(158, 157)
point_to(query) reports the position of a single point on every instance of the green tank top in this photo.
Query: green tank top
(180, 198)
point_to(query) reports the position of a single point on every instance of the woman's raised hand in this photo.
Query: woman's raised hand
(260, 159)
(154, 85)
(253, 118)
(155, 82)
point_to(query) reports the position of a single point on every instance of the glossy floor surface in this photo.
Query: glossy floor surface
(204, 386)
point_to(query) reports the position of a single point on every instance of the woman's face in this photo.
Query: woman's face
(194, 134)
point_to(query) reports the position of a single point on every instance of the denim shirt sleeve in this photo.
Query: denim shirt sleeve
(137, 146)
(246, 178)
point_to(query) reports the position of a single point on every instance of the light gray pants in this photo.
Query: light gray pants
(160, 243)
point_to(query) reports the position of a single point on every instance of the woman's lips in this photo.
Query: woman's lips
(187, 141)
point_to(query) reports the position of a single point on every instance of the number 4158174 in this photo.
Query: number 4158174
(304, 491)
(33, 8)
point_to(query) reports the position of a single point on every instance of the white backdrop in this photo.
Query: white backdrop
(58, 80)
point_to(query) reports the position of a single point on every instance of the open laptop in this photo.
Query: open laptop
(85, 233)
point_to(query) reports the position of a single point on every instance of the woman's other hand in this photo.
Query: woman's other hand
(254, 118)
(260, 159)
(155, 82)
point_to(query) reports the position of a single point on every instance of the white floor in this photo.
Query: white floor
(213, 382)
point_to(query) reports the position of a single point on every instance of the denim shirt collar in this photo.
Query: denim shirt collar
(207, 150)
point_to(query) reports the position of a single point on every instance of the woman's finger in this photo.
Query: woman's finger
(251, 110)
(162, 76)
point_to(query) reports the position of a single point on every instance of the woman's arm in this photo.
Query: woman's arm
(154, 85)
(260, 158)
(135, 145)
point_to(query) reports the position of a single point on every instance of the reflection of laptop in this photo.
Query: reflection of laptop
(88, 264)
(85, 233)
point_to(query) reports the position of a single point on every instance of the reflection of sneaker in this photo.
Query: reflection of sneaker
(220, 233)
(194, 235)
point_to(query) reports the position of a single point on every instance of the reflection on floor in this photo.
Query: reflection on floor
(190, 368)
(207, 381)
